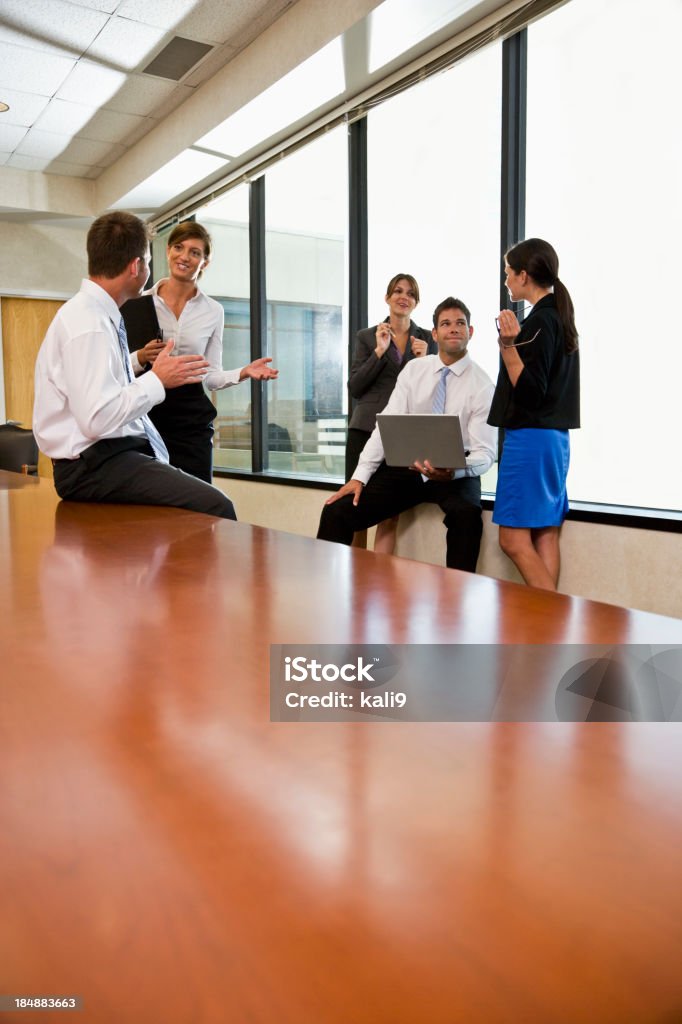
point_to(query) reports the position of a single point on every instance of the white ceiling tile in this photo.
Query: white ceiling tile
(68, 169)
(166, 14)
(110, 157)
(10, 136)
(127, 44)
(28, 163)
(93, 82)
(210, 65)
(30, 71)
(64, 118)
(255, 18)
(208, 21)
(110, 126)
(177, 98)
(47, 145)
(50, 26)
(4, 157)
(23, 107)
(145, 126)
(89, 151)
(108, 6)
(139, 94)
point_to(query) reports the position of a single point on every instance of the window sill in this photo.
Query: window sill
(662, 520)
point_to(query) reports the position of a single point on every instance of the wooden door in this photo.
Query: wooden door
(24, 323)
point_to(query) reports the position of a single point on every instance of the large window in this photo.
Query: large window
(227, 219)
(433, 157)
(603, 172)
(604, 167)
(305, 204)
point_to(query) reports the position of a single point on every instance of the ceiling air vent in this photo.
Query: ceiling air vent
(176, 59)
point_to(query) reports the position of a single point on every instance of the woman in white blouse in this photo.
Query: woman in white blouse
(194, 322)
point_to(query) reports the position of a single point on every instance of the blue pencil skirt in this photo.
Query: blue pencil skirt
(531, 483)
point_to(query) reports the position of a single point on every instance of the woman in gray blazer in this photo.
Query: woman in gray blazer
(380, 354)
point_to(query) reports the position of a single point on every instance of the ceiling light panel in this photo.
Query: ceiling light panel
(50, 26)
(300, 92)
(179, 174)
(399, 24)
(29, 71)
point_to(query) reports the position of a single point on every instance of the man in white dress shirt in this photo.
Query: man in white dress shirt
(377, 491)
(90, 413)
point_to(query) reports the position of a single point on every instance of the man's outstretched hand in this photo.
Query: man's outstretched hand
(174, 371)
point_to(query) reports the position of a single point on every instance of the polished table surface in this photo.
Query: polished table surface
(170, 855)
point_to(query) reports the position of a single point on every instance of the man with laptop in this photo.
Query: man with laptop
(450, 384)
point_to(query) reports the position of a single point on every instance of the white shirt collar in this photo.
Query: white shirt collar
(457, 368)
(103, 299)
(154, 290)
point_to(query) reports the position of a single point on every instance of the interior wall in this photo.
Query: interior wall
(618, 565)
(41, 259)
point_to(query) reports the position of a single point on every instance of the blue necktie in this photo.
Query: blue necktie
(441, 391)
(153, 436)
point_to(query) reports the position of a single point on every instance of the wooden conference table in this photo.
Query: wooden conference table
(170, 855)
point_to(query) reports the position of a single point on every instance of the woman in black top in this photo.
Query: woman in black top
(380, 354)
(537, 401)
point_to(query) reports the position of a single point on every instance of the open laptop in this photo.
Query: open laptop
(416, 437)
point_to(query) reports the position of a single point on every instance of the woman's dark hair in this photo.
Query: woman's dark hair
(393, 284)
(541, 262)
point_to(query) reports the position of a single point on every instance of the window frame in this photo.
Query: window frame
(512, 227)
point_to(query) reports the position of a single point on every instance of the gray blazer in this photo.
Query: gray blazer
(372, 380)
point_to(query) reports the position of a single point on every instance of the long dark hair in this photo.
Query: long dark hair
(541, 262)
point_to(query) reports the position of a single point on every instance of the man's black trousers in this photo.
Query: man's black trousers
(392, 490)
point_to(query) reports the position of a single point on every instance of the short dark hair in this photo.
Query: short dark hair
(191, 229)
(393, 284)
(114, 240)
(451, 303)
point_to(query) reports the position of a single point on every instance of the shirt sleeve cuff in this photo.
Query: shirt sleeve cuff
(153, 387)
(362, 474)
